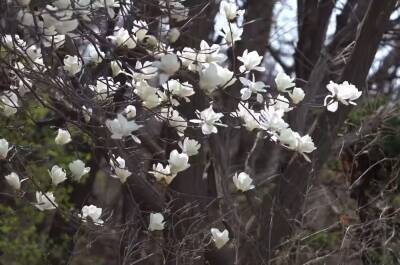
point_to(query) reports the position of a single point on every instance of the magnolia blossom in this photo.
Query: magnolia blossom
(45, 201)
(63, 137)
(219, 238)
(87, 113)
(78, 169)
(252, 87)
(175, 120)
(173, 35)
(162, 173)
(344, 93)
(156, 222)
(169, 64)
(58, 175)
(189, 146)
(243, 182)
(208, 120)
(214, 76)
(93, 212)
(130, 111)
(13, 180)
(229, 10)
(231, 33)
(271, 119)
(9, 103)
(122, 38)
(297, 95)
(72, 65)
(120, 171)
(178, 161)
(144, 71)
(210, 54)
(4, 148)
(251, 61)
(140, 29)
(283, 82)
(116, 68)
(121, 127)
(249, 116)
(182, 90)
(293, 140)
(281, 103)
(148, 94)
(104, 87)
(92, 54)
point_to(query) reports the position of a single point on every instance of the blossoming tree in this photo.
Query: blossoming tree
(193, 137)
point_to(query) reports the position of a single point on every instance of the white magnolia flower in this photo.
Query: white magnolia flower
(162, 173)
(148, 94)
(51, 38)
(281, 103)
(9, 103)
(140, 29)
(58, 175)
(173, 35)
(284, 82)
(156, 222)
(251, 61)
(104, 87)
(175, 120)
(293, 140)
(344, 93)
(252, 87)
(4, 148)
(189, 58)
(229, 10)
(297, 95)
(208, 120)
(219, 238)
(93, 212)
(72, 65)
(243, 182)
(78, 169)
(122, 38)
(87, 113)
(92, 54)
(120, 171)
(144, 71)
(214, 76)
(121, 127)
(13, 180)
(189, 146)
(45, 201)
(249, 116)
(169, 64)
(178, 161)
(63, 137)
(116, 68)
(182, 90)
(130, 111)
(210, 54)
(271, 119)
(231, 33)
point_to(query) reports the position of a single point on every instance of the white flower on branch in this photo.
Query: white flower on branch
(57, 175)
(230, 10)
(120, 171)
(72, 65)
(4, 148)
(231, 33)
(45, 201)
(130, 111)
(140, 29)
(252, 87)
(13, 180)
(162, 173)
(178, 161)
(156, 222)
(248, 116)
(104, 87)
(78, 169)
(219, 238)
(284, 82)
(344, 93)
(122, 38)
(189, 146)
(92, 212)
(9, 103)
(63, 137)
(120, 127)
(293, 140)
(243, 182)
(181, 90)
(214, 76)
(148, 94)
(208, 119)
(297, 95)
(251, 61)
